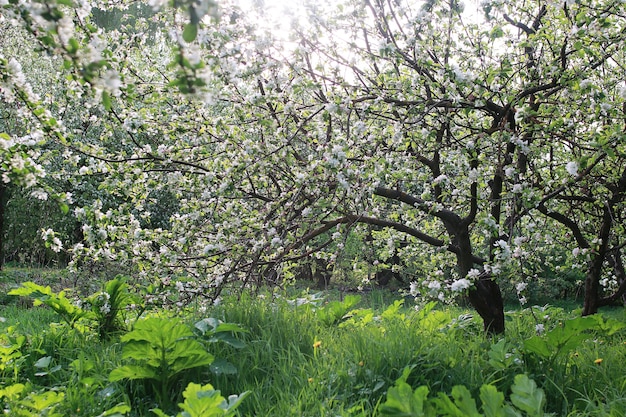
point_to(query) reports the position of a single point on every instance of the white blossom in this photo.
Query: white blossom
(112, 82)
(473, 274)
(460, 285)
(157, 4)
(440, 179)
(572, 168)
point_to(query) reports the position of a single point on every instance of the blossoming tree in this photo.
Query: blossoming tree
(226, 154)
(473, 127)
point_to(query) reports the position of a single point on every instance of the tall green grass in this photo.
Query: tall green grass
(295, 363)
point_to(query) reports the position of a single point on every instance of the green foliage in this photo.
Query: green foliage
(108, 305)
(104, 307)
(190, 32)
(335, 311)
(527, 397)
(403, 401)
(161, 349)
(355, 370)
(119, 410)
(68, 311)
(569, 335)
(205, 401)
(213, 330)
(11, 356)
(20, 401)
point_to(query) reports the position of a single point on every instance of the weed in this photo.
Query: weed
(205, 401)
(525, 397)
(161, 349)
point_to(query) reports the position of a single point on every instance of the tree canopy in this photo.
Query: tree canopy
(196, 143)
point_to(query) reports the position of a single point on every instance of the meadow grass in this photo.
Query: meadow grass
(296, 364)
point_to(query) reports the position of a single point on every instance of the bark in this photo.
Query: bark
(3, 197)
(592, 286)
(593, 300)
(485, 296)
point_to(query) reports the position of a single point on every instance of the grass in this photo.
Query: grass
(295, 364)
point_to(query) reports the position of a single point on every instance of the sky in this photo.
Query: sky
(282, 12)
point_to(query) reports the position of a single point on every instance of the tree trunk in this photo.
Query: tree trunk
(3, 198)
(486, 298)
(592, 288)
(592, 280)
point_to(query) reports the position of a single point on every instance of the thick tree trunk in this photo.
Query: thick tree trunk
(592, 280)
(3, 197)
(592, 288)
(486, 298)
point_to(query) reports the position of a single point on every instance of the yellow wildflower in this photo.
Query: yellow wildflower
(317, 344)
(598, 361)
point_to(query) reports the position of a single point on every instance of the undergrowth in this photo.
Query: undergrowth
(306, 354)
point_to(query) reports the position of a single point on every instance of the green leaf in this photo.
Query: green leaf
(44, 401)
(205, 401)
(229, 339)
(492, 401)
(12, 392)
(132, 372)
(161, 332)
(393, 311)
(610, 326)
(106, 100)
(539, 346)
(190, 361)
(43, 362)
(223, 367)
(499, 356)
(159, 413)
(464, 401)
(234, 401)
(402, 401)
(335, 311)
(527, 396)
(117, 411)
(73, 46)
(190, 32)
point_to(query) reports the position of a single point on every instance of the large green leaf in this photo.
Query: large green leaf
(161, 333)
(527, 396)
(190, 361)
(492, 401)
(402, 401)
(214, 330)
(223, 367)
(205, 401)
(133, 372)
(539, 346)
(461, 405)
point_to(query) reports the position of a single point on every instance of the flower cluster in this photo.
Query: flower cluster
(51, 240)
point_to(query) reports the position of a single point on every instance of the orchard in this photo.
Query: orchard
(474, 151)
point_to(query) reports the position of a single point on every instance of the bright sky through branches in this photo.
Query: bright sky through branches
(281, 14)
